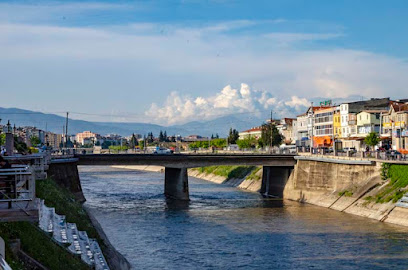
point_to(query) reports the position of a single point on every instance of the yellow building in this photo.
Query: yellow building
(337, 124)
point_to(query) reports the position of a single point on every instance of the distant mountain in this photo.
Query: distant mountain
(55, 123)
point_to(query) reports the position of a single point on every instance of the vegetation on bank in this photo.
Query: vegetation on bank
(230, 172)
(65, 204)
(346, 193)
(39, 246)
(255, 175)
(396, 188)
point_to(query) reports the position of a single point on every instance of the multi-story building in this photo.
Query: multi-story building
(369, 121)
(285, 128)
(348, 116)
(80, 137)
(394, 126)
(323, 126)
(348, 113)
(53, 140)
(255, 132)
(337, 123)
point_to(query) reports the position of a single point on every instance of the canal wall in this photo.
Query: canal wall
(65, 174)
(348, 188)
(244, 183)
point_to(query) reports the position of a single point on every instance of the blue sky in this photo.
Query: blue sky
(170, 62)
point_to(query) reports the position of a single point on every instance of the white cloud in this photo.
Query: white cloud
(178, 109)
(150, 60)
(297, 37)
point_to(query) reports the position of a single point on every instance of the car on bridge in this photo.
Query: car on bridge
(162, 151)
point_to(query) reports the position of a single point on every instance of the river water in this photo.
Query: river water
(226, 228)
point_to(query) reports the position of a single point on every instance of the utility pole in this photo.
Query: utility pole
(63, 134)
(66, 131)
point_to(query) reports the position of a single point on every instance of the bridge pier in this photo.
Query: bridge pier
(176, 183)
(274, 180)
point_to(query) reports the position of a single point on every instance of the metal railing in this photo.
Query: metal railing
(17, 184)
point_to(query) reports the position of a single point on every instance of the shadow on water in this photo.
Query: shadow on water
(177, 205)
(271, 203)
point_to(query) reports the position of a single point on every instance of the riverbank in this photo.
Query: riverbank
(65, 203)
(243, 177)
(370, 191)
(362, 190)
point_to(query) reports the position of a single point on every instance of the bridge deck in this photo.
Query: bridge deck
(187, 161)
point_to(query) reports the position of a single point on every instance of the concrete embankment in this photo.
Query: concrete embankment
(242, 183)
(344, 187)
(253, 185)
(65, 174)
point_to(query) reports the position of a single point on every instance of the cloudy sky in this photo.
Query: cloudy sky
(170, 62)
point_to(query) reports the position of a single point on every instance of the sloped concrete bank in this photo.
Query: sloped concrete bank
(253, 185)
(245, 184)
(343, 187)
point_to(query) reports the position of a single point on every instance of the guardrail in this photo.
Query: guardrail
(39, 162)
(17, 184)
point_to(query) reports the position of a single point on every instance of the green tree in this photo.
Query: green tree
(233, 136)
(35, 140)
(141, 144)
(219, 143)
(133, 141)
(266, 137)
(247, 143)
(20, 146)
(372, 139)
(2, 138)
(165, 137)
(106, 144)
(150, 137)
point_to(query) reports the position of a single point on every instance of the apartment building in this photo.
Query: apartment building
(394, 126)
(80, 137)
(255, 132)
(323, 126)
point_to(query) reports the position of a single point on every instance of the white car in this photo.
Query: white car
(162, 151)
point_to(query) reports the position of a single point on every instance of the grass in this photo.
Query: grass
(39, 246)
(65, 204)
(229, 172)
(254, 175)
(398, 175)
(346, 193)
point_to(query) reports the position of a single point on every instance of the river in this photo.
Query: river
(226, 228)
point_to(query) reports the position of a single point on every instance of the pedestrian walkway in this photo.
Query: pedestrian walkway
(68, 233)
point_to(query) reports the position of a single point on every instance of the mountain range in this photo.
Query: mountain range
(55, 123)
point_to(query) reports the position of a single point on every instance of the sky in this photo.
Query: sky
(171, 62)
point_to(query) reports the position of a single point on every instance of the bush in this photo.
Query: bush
(394, 191)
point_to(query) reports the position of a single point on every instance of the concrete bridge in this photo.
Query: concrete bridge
(276, 168)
